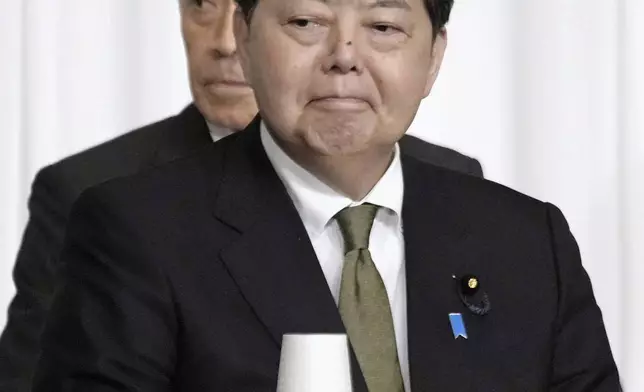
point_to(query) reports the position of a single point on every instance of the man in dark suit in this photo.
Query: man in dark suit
(186, 277)
(223, 102)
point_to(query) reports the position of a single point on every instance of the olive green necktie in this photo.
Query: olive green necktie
(364, 305)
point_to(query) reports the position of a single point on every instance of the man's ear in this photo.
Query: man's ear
(242, 33)
(438, 53)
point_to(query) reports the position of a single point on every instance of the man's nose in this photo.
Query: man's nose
(224, 39)
(344, 53)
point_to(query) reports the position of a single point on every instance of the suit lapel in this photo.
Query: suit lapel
(185, 133)
(272, 260)
(435, 250)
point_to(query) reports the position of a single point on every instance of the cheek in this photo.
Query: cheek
(398, 84)
(196, 55)
(284, 83)
(400, 87)
(191, 33)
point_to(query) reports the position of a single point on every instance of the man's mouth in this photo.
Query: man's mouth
(340, 103)
(228, 87)
(230, 82)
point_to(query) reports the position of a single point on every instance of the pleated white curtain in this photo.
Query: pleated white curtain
(548, 94)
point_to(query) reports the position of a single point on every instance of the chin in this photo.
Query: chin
(338, 142)
(231, 115)
(340, 137)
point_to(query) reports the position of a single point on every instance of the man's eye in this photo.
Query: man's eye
(303, 23)
(385, 28)
(206, 4)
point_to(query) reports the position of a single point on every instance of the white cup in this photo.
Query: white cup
(314, 363)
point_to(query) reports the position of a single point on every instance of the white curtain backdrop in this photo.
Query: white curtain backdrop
(548, 94)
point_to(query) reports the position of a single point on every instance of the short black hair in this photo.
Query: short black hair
(438, 10)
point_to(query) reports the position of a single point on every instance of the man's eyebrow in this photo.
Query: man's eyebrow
(400, 4)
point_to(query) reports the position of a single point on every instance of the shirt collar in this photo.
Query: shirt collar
(316, 202)
(217, 132)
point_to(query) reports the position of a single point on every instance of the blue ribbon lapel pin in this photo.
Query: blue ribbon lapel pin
(458, 325)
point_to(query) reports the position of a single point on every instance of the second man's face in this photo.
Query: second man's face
(217, 83)
(338, 77)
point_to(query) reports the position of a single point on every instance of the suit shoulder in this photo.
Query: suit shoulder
(120, 156)
(440, 156)
(479, 197)
(165, 186)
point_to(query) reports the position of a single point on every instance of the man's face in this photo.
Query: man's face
(338, 77)
(216, 79)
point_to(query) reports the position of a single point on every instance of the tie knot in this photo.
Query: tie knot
(355, 224)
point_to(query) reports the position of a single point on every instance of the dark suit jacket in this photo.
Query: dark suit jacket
(186, 277)
(58, 186)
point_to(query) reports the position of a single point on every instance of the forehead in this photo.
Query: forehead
(364, 4)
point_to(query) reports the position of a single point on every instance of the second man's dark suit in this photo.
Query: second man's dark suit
(58, 186)
(186, 277)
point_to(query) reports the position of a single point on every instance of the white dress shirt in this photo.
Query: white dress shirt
(217, 132)
(317, 204)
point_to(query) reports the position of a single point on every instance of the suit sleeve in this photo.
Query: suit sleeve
(582, 358)
(111, 326)
(34, 277)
